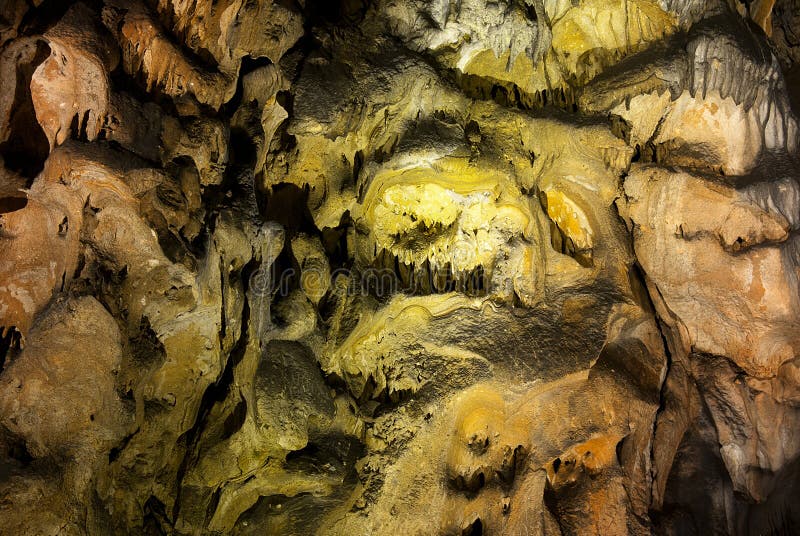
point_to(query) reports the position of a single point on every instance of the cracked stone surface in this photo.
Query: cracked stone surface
(399, 267)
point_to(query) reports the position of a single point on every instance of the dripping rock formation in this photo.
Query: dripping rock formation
(345, 267)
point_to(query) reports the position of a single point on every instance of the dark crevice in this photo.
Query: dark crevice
(216, 393)
(358, 163)
(247, 66)
(335, 14)
(621, 128)
(26, 147)
(331, 453)
(287, 205)
(662, 394)
(147, 351)
(114, 453)
(123, 82)
(45, 15)
(234, 422)
(156, 521)
(12, 204)
(10, 339)
(12, 447)
(334, 241)
(213, 504)
(618, 450)
(474, 529)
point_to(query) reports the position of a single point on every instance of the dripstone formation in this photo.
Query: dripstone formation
(459, 267)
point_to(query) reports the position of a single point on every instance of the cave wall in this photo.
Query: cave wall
(399, 266)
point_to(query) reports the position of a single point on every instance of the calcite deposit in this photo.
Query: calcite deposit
(457, 267)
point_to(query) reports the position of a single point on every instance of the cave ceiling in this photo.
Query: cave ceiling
(459, 267)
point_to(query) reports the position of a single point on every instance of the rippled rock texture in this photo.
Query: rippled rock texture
(399, 267)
